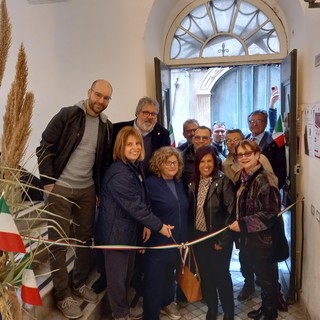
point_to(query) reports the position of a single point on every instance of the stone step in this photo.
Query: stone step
(48, 310)
(28, 223)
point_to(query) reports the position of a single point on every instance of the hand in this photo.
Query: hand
(274, 97)
(146, 234)
(217, 246)
(234, 226)
(166, 230)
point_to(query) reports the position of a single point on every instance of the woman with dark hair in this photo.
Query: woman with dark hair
(123, 207)
(257, 208)
(170, 204)
(212, 204)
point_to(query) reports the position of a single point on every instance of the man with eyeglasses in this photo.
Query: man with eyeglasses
(202, 137)
(154, 134)
(189, 128)
(74, 151)
(218, 136)
(258, 121)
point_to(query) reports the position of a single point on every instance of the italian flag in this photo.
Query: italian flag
(173, 142)
(278, 135)
(29, 291)
(10, 239)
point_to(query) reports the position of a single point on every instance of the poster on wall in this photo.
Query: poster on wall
(312, 130)
(317, 131)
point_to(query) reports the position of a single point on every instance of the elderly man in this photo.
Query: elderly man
(189, 128)
(258, 121)
(154, 134)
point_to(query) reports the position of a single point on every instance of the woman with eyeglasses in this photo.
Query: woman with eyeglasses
(258, 203)
(212, 208)
(123, 208)
(170, 204)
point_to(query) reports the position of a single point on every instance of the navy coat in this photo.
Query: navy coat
(124, 206)
(171, 211)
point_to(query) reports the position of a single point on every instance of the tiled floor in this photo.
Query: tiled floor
(197, 311)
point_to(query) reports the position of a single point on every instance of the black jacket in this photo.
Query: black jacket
(219, 207)
(160, 136)
(62, 136)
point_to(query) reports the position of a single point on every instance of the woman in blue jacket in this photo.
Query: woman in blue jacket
(170, 204)
(123, 207)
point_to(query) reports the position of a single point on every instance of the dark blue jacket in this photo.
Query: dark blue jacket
(170, 210)
(124, 206)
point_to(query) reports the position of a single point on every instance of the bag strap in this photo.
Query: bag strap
(194, 261)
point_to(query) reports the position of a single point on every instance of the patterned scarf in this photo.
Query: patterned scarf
(204, 185)
(245, 176)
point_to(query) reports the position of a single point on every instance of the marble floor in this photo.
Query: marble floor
(197, 310)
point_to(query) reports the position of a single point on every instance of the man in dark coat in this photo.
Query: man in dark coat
(154, 134)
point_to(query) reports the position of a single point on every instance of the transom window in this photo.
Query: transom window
(218, 31)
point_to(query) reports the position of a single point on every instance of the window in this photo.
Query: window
(225, 31)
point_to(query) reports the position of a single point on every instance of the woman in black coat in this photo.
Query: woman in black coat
(257, 223)
(212, 207)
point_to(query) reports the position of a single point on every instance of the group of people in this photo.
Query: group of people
(123, 184)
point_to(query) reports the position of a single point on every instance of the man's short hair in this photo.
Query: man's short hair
(262, 112)
(205, 128)
(229, 131)
(189, 121)
(219, 124)
(147, 100)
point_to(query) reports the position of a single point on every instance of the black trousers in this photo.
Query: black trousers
(214, 268)
(267, 273)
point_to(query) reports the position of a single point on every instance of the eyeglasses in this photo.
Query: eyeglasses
(258, 121)
(191, 130)
(100, 95)
(169, 163)
(201, 138)
(235, 141)
(149, 114)
(246, 155)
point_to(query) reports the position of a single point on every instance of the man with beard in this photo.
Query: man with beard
(74, 151)
(154, 135)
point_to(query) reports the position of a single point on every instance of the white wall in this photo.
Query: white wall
(69, 45)
(72, 43)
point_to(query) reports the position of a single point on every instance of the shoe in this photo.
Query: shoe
(255, 314)
(245, 292)
(171, 311)
(282, 304)
(86, 293)
(211, 314)
(70, 308)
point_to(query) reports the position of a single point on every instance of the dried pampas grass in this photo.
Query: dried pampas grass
(10, 308)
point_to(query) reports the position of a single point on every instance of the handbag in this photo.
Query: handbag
(280, 247)
(189, 281)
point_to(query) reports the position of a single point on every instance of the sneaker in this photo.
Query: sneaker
(171, 311)
(86, 293)
(70, 308)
